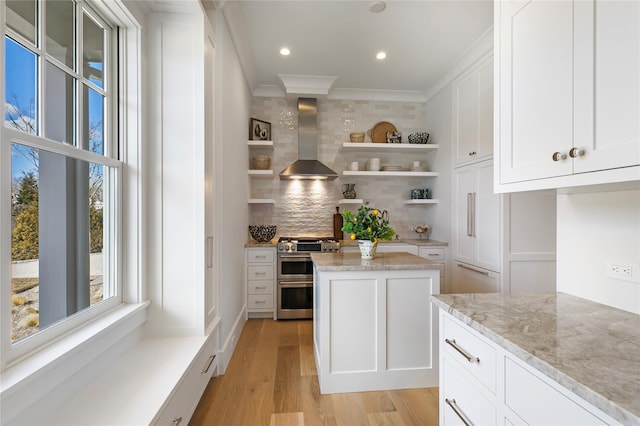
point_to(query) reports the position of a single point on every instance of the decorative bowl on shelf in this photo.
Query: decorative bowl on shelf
(419, 137)
(260, 162)
(262, 233)
(421, 229)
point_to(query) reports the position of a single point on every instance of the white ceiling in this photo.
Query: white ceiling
(341, 38)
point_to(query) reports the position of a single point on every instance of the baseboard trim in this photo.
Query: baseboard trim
(232, 339)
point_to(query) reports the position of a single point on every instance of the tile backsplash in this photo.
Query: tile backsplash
(307, 207)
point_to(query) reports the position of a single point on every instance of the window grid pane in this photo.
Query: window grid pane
(60, 27)
(21, 101)
(22, 18)
(92, 51)
(59, 105)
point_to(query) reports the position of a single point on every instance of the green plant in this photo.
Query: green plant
(367, 224)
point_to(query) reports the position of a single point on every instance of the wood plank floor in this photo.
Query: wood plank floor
(271, 380)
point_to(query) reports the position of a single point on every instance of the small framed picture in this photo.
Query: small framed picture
(259, 130)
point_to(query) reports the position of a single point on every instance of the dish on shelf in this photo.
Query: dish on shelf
(378, 133)
(392, 168)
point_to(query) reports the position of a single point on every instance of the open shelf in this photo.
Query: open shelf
(421, 201)
(267, 145)
(260, 173)
(390, 174)
(388, 147)
(261, 201)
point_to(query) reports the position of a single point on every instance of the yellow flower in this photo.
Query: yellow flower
(369, 229)
(375, 241)
(375, 212)
(353, 236)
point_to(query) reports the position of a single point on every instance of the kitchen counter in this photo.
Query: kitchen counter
(589, 348)
(373, 321)
(254, 243)
(381, 262)
(416, 242)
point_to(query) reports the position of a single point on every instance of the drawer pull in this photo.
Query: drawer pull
(433, 254)
(261, 257)
(459, 265)
(261, 302)
(461, 351)
(206, 369)
(261, 287)
(176, 421)
(452, 403)
(261, 273)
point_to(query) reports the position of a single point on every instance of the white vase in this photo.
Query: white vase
(367, 249)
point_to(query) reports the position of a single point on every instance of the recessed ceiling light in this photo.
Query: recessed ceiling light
(377, 6)
(284, 51)
(381, 55)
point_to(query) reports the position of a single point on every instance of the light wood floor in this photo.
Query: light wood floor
(271, 380)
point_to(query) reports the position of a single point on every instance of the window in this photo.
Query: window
(64, 172)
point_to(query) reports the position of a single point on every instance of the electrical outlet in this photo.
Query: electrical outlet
(623, 271)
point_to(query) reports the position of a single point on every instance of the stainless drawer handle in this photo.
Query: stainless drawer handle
(452, 403)
(461, 351)
(459, 265)
(260, 273)
(433, 254)
(176, 421)
(206, 369)
(261, 302)
(261, 287)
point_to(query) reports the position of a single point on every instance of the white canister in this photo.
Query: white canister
(354, 166)
(416, 164)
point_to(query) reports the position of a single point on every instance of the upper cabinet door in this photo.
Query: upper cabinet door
(535, 93)
(607, 85)
(473, 114)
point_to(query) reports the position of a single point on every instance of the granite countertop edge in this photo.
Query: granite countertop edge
(595, 398)
(396, 261)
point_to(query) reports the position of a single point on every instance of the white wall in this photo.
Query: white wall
(233, 108)
(594, 228)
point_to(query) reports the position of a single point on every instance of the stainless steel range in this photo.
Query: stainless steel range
(295, 274)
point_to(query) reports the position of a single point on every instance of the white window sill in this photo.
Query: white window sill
(27, 380)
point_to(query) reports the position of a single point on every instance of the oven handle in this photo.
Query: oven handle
(294, 256)
(295, 283)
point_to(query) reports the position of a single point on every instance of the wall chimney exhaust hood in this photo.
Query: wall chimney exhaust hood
(307, 166)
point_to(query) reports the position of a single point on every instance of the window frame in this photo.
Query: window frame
(114, 141)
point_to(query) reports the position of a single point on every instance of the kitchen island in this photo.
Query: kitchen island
(548, 358)
(374, 326)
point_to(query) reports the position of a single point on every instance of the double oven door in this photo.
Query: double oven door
(295, 286)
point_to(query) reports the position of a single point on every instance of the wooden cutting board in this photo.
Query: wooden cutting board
(337, 225)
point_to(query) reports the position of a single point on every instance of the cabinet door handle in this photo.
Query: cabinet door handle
(469, 215)
(472, 153)
(452, 403)
(461, 351)
(176, 421)
(460, 265)
(576, 152)
(557, 156)
(206, 369)
(473, 214)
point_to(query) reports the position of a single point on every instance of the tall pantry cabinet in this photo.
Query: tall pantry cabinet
(501, 243)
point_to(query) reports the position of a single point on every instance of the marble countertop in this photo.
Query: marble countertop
(589, 348)
(351, 243)
(382, 262)
(415, 242)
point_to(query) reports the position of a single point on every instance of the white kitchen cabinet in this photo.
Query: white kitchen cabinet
(473, 114)
(386, 248)
(438, 254)
(260, 266)
(483, 383)
(186, 395)
(477, 217)
(568, 93)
